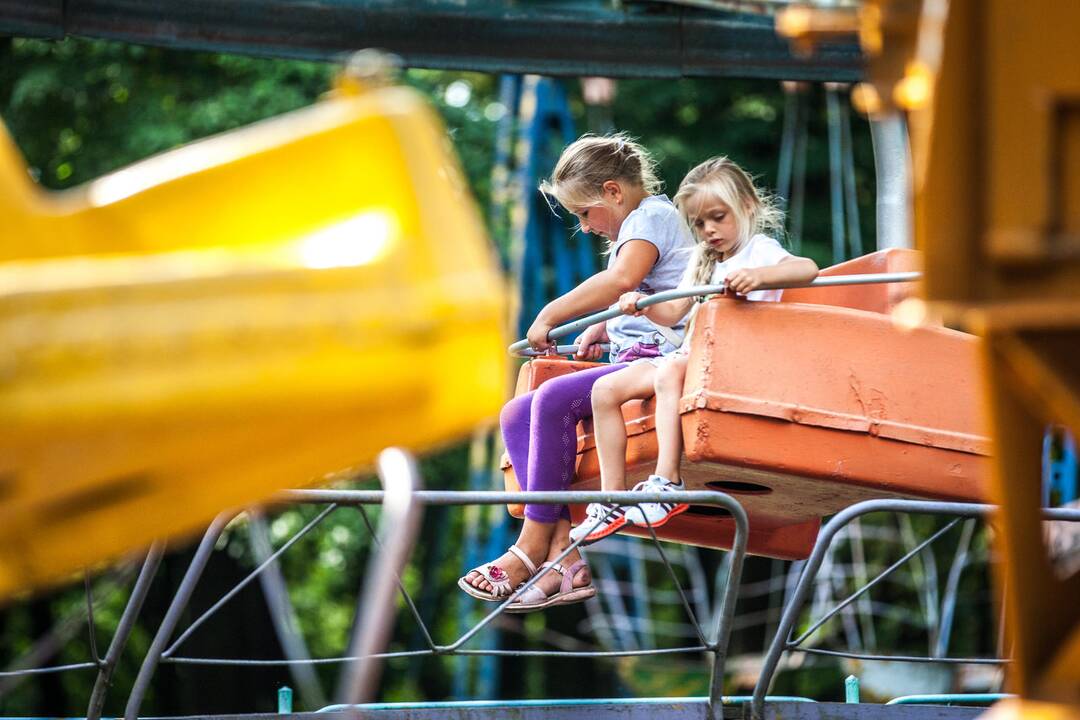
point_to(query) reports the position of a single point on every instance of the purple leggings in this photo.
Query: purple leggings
(540, 432)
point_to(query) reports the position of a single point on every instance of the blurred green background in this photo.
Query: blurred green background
(78, 109)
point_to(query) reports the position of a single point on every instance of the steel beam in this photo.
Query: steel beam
(37, 19)
(558, 37)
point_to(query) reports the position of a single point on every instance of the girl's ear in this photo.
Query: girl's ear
(612, 191)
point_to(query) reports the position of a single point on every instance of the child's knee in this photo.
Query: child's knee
(554, 401)
(515, 411)
(669, 378)
(605, 394)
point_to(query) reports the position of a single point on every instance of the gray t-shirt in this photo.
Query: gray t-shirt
(657, 221)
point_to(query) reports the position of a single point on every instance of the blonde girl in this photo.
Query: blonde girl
(732, 222)
(610, 184)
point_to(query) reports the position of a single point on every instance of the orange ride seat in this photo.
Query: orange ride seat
(801, 408)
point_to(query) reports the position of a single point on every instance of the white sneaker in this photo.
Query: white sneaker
(600, 521)
(656, 514)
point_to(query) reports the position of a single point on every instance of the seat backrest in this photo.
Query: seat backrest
(880, 298)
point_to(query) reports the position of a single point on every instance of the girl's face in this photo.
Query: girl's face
(606, 217)
(600, 220)
(714, 222)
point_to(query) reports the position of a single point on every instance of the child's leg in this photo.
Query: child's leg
(539, 430)
(668, 385)
(559, 541)
(557, 407)
(609, 430)
(514, 423)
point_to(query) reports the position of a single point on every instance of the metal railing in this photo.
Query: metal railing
(783, 641)
(106, 665)
(401, 511)
(950, 699)
(403, 502)
(521, 347)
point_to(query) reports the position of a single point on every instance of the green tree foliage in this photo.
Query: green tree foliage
(78, 109)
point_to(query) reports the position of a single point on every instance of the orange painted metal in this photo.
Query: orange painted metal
(800, 409)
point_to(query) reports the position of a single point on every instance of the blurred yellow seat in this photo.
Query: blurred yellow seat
(240, 315)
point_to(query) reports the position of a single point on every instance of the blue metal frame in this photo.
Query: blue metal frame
(547, 127)
(1059, 467)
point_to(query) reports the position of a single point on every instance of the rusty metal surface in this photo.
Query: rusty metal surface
(561, 37)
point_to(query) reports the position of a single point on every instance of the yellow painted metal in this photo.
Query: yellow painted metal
(1020, 709)
(237, 316)
(995, 94)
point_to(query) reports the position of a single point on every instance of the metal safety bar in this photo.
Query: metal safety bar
(705, 290)
(950, 699)
(782, 639)
(401, 512)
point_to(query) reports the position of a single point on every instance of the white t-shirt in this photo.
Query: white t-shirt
(759, 251)
(657, 221)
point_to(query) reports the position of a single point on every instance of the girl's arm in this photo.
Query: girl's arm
(634, 261)
(667, 313)
(789, 271)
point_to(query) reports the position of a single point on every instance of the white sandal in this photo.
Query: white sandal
(499, 578)
(536, 599)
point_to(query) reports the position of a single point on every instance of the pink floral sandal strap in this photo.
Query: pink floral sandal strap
(497, 578)
(569, 575)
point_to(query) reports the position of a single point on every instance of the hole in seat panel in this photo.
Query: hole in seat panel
(708, 511)
(735, 487)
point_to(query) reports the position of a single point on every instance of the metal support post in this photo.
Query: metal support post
(727, 612)
(892, 159)
(836, 173)
(400, 522)
(123, 630)
(172, 615)
(851, 200)
(283, 614)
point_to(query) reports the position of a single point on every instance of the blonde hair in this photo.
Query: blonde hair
(755, 210)
(591, 160)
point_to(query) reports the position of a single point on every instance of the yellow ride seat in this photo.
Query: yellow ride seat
(241, 315)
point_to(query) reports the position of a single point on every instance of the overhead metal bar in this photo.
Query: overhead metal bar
(558, 37)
